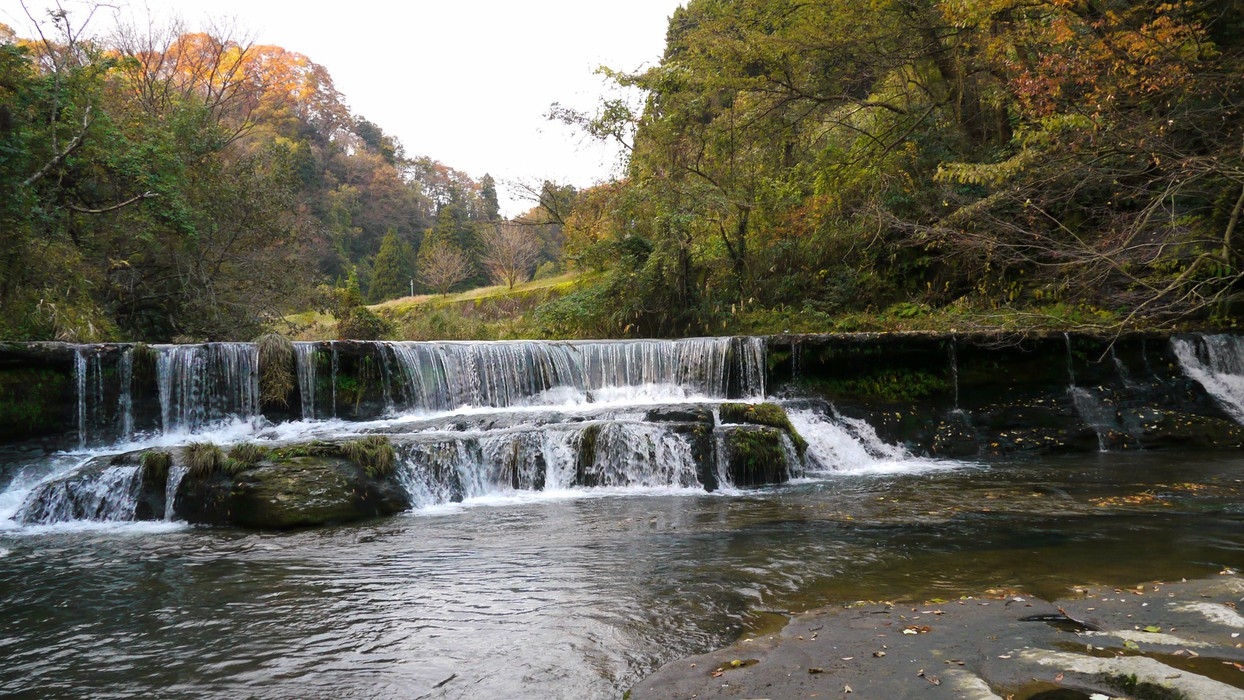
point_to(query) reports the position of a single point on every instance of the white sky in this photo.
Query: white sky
(466, 82)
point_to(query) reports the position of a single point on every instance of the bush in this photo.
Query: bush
(363, 324)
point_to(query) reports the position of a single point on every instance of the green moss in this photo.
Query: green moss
(1141, 690)
(755, 456)
(769, 414)
(586, 458)
(32, 401)
(156, 465)
(894, 385)
(374, 453)
(146, 364)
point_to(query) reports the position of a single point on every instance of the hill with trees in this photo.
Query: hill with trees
(791, 166)
(798, 165)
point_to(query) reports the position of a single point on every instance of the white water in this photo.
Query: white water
(841, 445)
(1217, 362)
(477, 423)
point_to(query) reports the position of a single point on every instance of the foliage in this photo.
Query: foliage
(203, 459)
(919, 158)
(362, 324)
(510, 252)
(443, 264)
(393, 269)
(246, 454)
(374, 453)
(170, 183)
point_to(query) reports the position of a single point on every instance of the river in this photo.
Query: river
(565, 592)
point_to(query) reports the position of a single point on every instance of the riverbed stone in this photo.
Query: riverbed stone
(1155, 640)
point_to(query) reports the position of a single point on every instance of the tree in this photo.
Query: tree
(442, 265)
(511, 251)
(393, 270)
(491, 208)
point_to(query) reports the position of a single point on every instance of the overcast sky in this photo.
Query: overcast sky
(467, 82)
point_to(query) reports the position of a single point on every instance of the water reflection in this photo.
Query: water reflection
(578, 597)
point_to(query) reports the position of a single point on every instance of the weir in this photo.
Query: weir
(471, 420)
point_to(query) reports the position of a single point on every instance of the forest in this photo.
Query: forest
(792, 166)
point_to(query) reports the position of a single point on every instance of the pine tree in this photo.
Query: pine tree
(392, 271)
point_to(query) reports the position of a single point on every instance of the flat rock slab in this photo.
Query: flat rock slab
(1158, 640)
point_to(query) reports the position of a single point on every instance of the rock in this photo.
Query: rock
(680, 414)
(767, 414)
(755, 456)
(295, 486)
(117, 488)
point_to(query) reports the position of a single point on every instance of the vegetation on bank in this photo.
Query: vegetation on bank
(792, 167)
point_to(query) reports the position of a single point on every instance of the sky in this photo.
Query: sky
(466, 82)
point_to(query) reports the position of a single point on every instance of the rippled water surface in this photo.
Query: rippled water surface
(577, 595)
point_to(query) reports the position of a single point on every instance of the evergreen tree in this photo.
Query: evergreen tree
(488, 192)
(392, 271)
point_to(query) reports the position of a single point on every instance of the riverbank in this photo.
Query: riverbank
(1157, 640)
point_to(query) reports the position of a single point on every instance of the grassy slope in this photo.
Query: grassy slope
(480, 313)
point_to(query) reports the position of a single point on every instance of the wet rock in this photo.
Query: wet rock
(111, 488)
(1153, 641)
(680, 414)
(755, 455)
(296, 486)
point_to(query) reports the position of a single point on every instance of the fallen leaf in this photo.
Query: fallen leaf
(1153, 629)
(847, 689)
(878, 654)
(1058, 678)
(814, 670)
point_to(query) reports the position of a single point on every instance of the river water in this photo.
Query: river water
(577, 595)
(565, 592)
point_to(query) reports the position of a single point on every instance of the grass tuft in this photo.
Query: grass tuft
(276, 369)
(203, 459)
(374, 453)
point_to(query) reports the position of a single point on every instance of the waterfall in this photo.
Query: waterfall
(953, 359)
(97, 491)
(176, 473)
(840, 444)
(444, 468)
(305, 356)
(80, 382)
(446, 375)
(1071, 368)
(1217, 363)
(125, 396)
(333, 377)
(88, 371)
(203, 384)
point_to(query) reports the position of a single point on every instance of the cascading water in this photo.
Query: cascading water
(468, 420)
(305, 355)
(1217, 363)
(203, 384)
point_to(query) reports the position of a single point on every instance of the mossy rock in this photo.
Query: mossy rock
(303, 485)
(754, 456)
(766, 414)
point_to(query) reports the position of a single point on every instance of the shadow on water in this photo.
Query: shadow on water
(579, 597)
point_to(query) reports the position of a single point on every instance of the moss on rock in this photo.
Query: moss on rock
(767, 414)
